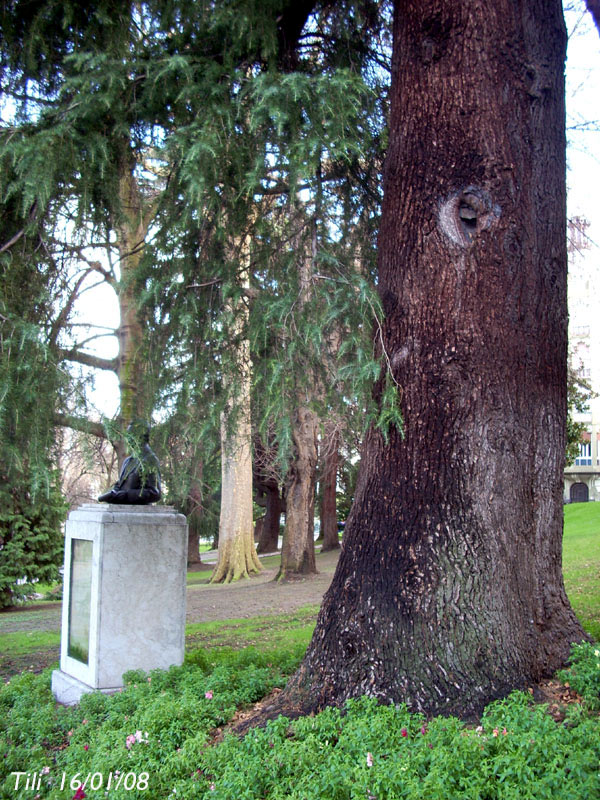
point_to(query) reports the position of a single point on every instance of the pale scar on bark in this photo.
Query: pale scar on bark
(467, 212)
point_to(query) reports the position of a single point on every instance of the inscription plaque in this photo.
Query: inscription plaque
(80, 600)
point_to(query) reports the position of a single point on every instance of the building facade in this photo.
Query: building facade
(582, 479)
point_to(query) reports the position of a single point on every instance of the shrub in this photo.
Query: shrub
(31, 539)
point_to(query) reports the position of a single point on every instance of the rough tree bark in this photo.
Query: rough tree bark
(328, 515)
(449, 588)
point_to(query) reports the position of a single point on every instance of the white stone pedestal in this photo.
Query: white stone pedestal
(123, 598)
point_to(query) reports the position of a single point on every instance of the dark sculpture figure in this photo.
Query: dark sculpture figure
(139, 479)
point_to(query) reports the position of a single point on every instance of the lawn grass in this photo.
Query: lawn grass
(581, 563)
(24, 642)
(581, 566)
(263, 632)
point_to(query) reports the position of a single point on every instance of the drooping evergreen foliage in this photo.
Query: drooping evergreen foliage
(31, 506)
(242, 116)
(224, 122)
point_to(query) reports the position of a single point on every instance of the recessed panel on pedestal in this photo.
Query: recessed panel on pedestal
(80, 600)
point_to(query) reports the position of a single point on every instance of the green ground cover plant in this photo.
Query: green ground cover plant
(158, 734)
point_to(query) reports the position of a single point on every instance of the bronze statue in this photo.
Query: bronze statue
(139, 479)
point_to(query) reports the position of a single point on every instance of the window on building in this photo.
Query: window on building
(584, 459)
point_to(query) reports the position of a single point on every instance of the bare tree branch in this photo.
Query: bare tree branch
(88, 359)
(17, 236)
(80, 424)
(61, 319)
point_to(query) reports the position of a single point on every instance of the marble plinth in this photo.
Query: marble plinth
(124, 596)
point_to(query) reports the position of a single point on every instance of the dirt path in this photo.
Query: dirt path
(260, 595)
(257, 596)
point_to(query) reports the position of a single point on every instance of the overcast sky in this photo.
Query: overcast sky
(583, 106)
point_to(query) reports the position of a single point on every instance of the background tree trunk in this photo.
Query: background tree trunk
(449, 589)
(268, 541)
(298, 548)
(328, 515)
(193, 557)
(193, 509)
(267, 495)
(237, 556)
(132, 228)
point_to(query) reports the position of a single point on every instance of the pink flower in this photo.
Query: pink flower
(504, 732)
(369, 760)
(130, 740)
(45, 770)
(495, 732)
(404, 732)
(208, 695)
(424, 730)
(86, 747)
(212, 787)
(70, 733)
(79, 794)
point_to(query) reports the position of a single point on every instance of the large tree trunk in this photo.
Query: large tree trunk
(328, 514)
(449, 588)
